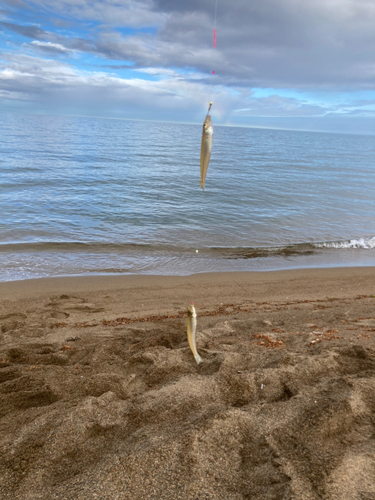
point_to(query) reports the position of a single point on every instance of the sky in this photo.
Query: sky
(294, 64)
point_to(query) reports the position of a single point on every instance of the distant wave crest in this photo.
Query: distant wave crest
(366, 243)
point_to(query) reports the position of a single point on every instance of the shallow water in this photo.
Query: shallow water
(92, 196)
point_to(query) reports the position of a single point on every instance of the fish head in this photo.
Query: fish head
(191, 311)
(208, 129)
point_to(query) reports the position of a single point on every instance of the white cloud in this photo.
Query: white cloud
(166, 73)
(273, 43)
(133, 13)
(49, 47)
(321, 48)
(57, 84)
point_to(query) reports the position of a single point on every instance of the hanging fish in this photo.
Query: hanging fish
(206, 146)
(191, 327)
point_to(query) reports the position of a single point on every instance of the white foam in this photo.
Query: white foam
(366, 243)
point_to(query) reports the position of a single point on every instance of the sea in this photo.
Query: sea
(91, 196)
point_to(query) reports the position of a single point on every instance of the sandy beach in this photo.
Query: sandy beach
(100, 396)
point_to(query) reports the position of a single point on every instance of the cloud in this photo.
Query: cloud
(281, 43)
(4, 13)
(58, 85)
(53, 82)
(134, 13)
(280, 106)
(27, 31)
(49, 48)
(321, 48)
(55, 86)
(16, 4)
(164, 72)
(274, 43)
(49, 39)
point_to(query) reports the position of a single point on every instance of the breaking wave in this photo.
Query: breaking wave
(256, 252)
(365, 243)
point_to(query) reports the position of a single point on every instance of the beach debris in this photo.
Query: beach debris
(191, 325)
(364, 336)
(206, 146)
(328, 335)
(271, 342)
(72, 339)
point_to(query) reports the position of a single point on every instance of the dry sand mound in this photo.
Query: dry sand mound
(283, 406)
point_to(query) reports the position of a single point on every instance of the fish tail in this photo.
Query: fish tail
(198, 359)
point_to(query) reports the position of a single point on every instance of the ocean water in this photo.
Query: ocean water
(82, 196)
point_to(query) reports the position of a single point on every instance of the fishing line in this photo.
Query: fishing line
(214, 46)
(214, 29)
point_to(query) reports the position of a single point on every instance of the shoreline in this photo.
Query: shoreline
(341, 280)
(38, 265)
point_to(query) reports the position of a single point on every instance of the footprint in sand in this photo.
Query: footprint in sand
(63, 300)
(10, 322)
(73, 304)
(14, 316)
(59, 315)
(90, 308)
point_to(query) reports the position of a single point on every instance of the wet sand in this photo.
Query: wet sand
(100, 396)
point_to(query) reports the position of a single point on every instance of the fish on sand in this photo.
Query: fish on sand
(206, 146)
(191, 328)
